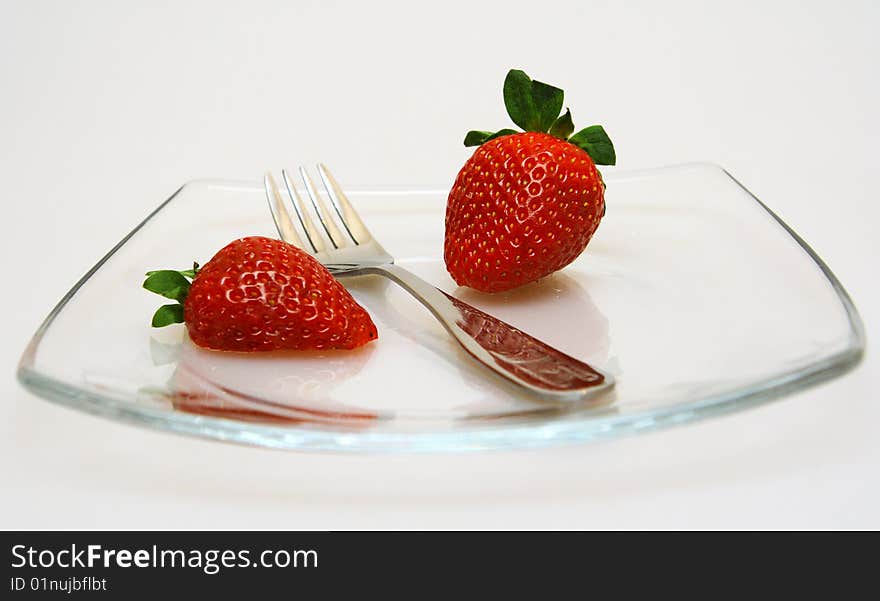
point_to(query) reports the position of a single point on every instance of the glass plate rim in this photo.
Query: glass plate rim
(487, 437)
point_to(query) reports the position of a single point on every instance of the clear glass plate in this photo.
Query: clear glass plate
(696, 297)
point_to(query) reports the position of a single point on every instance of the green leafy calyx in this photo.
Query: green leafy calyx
(536, 106)
(174, 285)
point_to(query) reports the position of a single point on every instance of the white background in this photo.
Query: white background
(106, 108)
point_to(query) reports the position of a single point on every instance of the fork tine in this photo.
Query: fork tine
(324, 215)
(283, 223)
(350, 218)
(308, 225)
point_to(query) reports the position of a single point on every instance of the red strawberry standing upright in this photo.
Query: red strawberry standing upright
(260, 294)
(526, 203)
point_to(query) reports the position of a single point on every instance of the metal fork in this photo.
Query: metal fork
(345, 246)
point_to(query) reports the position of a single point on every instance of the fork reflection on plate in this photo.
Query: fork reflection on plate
(345, 246)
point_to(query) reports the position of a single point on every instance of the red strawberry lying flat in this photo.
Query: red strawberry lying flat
(260, 294)
(526, 203)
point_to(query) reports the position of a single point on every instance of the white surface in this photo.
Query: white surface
(107, 108)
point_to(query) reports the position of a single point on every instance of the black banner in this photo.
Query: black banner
(119, 564)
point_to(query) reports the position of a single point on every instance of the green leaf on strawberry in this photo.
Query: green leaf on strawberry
(174, 285)
(563, 126)
(519, 101)
(476, 138)
(190, 273)
(596, 143)
(170, 284)
(167, 315)
(535, 107)
(548, 102)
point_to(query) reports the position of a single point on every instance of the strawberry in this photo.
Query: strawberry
(260, 294)
(527, 203)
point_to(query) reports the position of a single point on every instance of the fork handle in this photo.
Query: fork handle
(509, 352)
